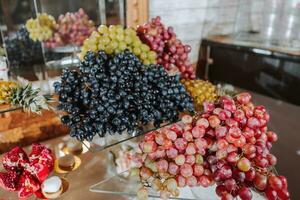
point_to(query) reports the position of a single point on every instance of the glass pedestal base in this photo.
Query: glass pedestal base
(62, 57)
(128, 186)
(125, 185)
(100, 143)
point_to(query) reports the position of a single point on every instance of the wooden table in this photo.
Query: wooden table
(284, 120)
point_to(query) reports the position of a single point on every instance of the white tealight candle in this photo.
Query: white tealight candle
(52, 184)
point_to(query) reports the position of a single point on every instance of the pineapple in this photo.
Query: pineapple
(6, 88)
(23, 96)
(200, 91)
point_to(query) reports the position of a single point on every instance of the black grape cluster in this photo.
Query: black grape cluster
(113, 94)
(22, 50)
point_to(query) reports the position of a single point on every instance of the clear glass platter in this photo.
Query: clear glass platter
(123, 184)
(100, 143)
(129, 186)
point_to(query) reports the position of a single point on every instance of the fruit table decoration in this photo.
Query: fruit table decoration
(117, 93)
(228, 145)
(22, 50)
(200, 91)
(25, 173)
(115, 39)
(171, 52)
(71, 29)
(41, 28)
(17, 95)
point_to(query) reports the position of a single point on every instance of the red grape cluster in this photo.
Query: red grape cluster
(239, 144)
(228, 144)
(54, 41)
(72, 28)
(172, 157)
(172, 53)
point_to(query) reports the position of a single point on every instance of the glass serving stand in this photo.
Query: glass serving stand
(24, 56)
(122, 185)
(62, 57)
(100, 143)
(109, 140)
(64, 54)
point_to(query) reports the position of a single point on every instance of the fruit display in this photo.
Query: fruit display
(25, 173)
(72, 28)
(244, 142)
(171, 52)
(228, 145)
(200, 91)
(41, 28)
(116, 93)
(17, 95)
(21, 50)
(172, 157)
(54, 41)
(115, 39)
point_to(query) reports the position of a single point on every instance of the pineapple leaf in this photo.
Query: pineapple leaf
(30, 99)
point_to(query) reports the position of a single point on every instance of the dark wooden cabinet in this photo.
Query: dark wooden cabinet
(264, 70)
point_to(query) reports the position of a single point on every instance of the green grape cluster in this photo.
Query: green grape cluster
(115, 39)
(41, 28)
